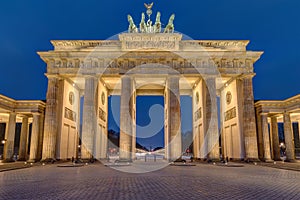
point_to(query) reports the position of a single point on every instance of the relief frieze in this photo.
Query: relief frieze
(102, 114)
(198, 114)
(69, 114)
(131, 63)
(230, 114)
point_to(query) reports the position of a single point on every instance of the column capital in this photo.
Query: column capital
(36, 114)
(23, 116)
(173, 76)
(96, 77)
(210, 76)
(264, 114)
(13, 114)
(246, 76)
(54, 76)
(273, 117)
(122, 76)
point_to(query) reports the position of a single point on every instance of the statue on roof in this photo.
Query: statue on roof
(170, 26)
(157, 25)
(149, 6)
(147, 27)
(132, 27)
(143, 26)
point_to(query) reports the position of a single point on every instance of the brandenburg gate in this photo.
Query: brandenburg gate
(150, 60)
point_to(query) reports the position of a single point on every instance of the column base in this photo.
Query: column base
(277, 159)
(124, 160)
(32, 161)
(268, 160)
(8, 160)
(291, 160)
(248, 160)
(49, 160)
(210, 160)
(87, 160)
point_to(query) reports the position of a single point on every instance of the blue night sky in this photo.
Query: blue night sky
(272, 26)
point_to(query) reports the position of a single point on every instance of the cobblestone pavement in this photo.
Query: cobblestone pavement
(174, 182)
(13, 166)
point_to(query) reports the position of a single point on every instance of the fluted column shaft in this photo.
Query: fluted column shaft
(266, 138)
(249, 126)
(196, 135)
(288, 137)
(126, 122)
(175, 145)
(23, 139)
(51, 121)
(89, 118)
(34, 138)
(212, 132)
(41, 136)
(10, 138)
(275, 138)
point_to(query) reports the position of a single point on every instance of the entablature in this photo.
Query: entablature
(22, 106)
(278, 106)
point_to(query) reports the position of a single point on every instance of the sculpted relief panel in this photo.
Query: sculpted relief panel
(126, 64)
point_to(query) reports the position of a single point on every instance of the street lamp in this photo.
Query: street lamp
(3, 141)
(281, 144)
(79, 152)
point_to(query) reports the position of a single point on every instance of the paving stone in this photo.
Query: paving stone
(173, 182)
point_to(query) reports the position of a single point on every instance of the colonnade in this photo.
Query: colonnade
(269, 114)
(268, 137)
(26, 112)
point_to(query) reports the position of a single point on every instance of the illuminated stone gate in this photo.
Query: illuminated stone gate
(147, 61)
(97, 69)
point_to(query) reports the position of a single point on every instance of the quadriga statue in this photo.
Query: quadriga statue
(143, 26)
(132, 27)
(170, 26)
(157, 25)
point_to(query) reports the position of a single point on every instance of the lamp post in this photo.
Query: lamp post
(79, 152)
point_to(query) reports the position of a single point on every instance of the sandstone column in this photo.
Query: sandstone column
(249, 126)
(23, 139)
(51, 121)
(166, 122)
(299, 130)
(133, 117)
(10, 138)
(195, 126)
(34, 138)
(175, 145)
(211, 122)
(288, 137)
(89, 118)
(196, 142)
(275, 140)
(266, 138)
(126, 122)
(41, 136)
(260, 142)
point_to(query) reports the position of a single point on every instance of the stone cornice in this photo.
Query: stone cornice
(236, 45)
(286, 105)
(118, 56)
(79, 44)
(21, 106)
(150, 42)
